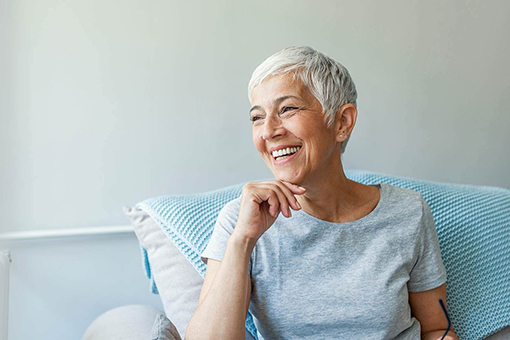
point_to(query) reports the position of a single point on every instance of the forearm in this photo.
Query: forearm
(437, 335)
(222, 313)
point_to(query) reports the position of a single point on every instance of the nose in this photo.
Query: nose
(273, 127)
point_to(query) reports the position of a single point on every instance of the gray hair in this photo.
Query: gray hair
(327, 79)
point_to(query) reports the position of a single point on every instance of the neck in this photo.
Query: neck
(331, 196)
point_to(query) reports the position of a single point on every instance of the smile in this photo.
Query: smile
(285, 155)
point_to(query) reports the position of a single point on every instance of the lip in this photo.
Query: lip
(286, 160)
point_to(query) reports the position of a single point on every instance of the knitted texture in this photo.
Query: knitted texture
(472, 223)
(188, 220)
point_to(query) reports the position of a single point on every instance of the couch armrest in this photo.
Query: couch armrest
(503, 334)
(133, 322)
(5, 263)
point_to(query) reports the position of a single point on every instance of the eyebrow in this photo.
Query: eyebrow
(276, 101)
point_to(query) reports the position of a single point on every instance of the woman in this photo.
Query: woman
(352, 261)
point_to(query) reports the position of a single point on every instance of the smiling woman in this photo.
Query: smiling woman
(353, 261)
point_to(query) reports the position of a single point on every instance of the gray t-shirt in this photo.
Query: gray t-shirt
(314, 279)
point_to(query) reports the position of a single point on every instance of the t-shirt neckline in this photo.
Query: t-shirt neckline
(382, 200)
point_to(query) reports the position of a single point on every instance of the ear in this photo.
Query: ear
(344, 121)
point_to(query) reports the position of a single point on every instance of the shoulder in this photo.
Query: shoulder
(408, 210)
(232, 206)
(406, 203)
(403, 196)
(230, 211)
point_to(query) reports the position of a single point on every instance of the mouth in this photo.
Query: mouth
(285, 156)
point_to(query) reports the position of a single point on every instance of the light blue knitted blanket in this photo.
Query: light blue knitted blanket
(473, 227)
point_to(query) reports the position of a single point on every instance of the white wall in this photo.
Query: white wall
(106, 103)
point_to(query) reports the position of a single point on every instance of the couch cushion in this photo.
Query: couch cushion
(133, 322)
(178, 282)
(164, 329)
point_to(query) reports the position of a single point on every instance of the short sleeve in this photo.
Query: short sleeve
(223, 228)
(429, 271)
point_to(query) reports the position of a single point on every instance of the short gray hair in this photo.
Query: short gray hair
(327, 79)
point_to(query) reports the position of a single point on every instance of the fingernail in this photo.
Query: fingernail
(299, 205)
(301, 188)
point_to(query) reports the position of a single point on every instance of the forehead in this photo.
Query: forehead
(278, 86)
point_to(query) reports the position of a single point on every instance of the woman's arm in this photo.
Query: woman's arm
(225, 295)
(226, 292)
(426, 309)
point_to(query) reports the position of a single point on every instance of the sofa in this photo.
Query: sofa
(473, 225)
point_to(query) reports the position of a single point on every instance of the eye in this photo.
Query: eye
(288, 108)
(255, 118)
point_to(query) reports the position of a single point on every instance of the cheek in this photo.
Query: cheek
(298, 131)
(298, 127)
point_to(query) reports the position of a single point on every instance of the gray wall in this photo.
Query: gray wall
(58, 288)
(106, 103)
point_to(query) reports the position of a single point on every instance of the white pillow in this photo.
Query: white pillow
(178, 282)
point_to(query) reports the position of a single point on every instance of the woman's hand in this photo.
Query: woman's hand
(261, 203)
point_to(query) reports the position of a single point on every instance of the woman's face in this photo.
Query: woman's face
(285, 114)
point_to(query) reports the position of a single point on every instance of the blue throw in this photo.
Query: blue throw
(473, 227)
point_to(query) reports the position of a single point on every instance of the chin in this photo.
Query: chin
(286, 177)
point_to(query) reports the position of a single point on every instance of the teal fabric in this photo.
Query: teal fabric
(473, 227)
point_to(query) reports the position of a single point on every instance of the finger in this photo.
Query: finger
(273, 201)
(261, 195)
(296, 189)
(284, 202)
(283, 197)
(290, 195)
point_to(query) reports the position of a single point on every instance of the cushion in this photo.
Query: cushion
(132, 322)
(471, 221)
(164, 329)
(179, 283)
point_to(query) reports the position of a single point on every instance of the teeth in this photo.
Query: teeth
(285, 151)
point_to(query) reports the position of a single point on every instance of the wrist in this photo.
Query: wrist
(242, 241)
